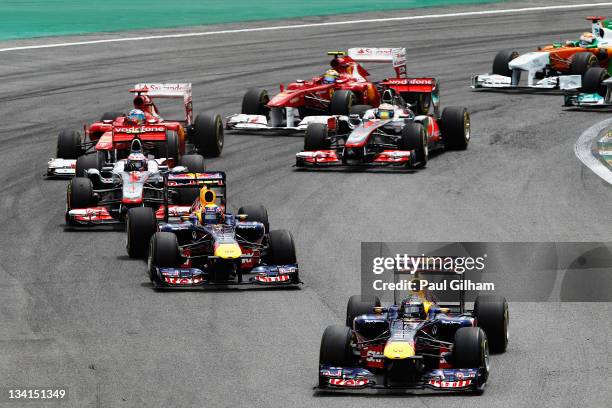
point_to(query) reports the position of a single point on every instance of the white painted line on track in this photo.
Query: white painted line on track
(297, 26)
(583, 151)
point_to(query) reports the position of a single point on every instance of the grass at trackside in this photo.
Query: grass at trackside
(28, 19)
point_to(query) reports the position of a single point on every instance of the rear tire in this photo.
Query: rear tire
(80, 193)
(316, 137)
(336, 348)
(592, 82)
(455, 127)
(141, 225)
(194, 163)
(359, 110)
(86, 162)
(492, 316)
(581, 62)
(257, 213)
(359, 305)
(254, 102)
(163, 253)
(414, 138)
(281, 248)
(501, 60)
(341, 102)
(208, 136)
(68, 144)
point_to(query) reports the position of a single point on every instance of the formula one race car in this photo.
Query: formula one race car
(595, 94)
(390, 135)
(208, 245)
(104, 195)
(333, 93)
(109, 139)
(555, 66)
(416, 343)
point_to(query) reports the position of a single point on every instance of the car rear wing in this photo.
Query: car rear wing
(411, 85)
(169, 91)
(184, 179)
(146, 133)
(430, 265)
(397, 56)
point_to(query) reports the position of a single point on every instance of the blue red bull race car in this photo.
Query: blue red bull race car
(416, 343)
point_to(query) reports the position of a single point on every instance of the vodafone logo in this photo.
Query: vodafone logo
(411, 81)
(141, 129)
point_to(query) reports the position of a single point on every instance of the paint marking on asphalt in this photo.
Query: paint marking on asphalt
(584, 152)
(297, 26)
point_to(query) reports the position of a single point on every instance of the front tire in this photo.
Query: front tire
(501, 60)
(281, 248)
(80, 193)
(208, 136)
(336, 349)
(592, 82)
(492, 316)
(455, 128)
(141, 225)
(68, 144)
(414, 138)
(254, 102)
(316, 137)
(163, 253)
(86, 162)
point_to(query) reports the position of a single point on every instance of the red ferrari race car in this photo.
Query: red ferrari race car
(394, 134)
(333, 93)
(108, 140)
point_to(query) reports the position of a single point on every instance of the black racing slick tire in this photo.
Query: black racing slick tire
(470, 349)
(254, 102)
(336, 347)
(413, 137)
(341, 102)
(316, 137)
(141, 225)
(257, 213)
(359, 305)
(281, 248)
(492, 316)
(581, 62)
(86, 162)
(110, 116)
(194, 163)
(455, 128)
(359, 110)
(501, 60)
(208, 136)
(80, 193)
(68, 144)
(592, 82)
(163, 253)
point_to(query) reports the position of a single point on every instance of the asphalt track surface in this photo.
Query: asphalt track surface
(76, 312)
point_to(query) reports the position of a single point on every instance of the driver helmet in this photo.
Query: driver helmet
(587, 39)
(136, 162)
(330, 76)
(385, 111)
(136, 117)
(212, 214)
(412, 309)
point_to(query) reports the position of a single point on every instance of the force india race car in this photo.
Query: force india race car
(104, 195)
(416, 343)
(555, 66)
(302, 102)
(390, 135)
(101, 145)
(207, 245)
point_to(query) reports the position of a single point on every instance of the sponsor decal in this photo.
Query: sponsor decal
(330, 372)
(349, 382)
(182, 281)
(271, 279)
(449, 384)
(141, 129)
(410, 81)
